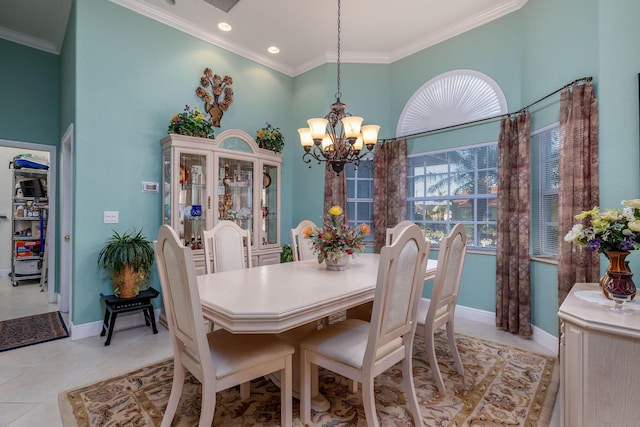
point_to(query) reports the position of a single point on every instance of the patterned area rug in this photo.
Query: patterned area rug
(502, 386)
(31, 330)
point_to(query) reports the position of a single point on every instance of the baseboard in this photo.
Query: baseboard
(124, 321)
(4, 272)
(541, 337)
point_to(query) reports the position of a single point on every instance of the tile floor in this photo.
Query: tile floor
(32, 377)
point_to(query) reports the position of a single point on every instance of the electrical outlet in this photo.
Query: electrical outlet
(110, 217)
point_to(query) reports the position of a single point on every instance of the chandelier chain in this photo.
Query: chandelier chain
(338, 93)
(337, 138)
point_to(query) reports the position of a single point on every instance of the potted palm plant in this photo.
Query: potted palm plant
(130, 257)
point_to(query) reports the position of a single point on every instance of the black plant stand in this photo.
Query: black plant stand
(117, 305)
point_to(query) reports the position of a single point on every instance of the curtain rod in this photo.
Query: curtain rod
(486, 119)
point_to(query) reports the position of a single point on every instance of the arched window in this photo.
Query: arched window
(454, 97)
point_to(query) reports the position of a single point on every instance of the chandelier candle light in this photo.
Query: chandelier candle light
(339, 137)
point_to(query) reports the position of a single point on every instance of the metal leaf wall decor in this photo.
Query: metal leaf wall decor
(211, 87)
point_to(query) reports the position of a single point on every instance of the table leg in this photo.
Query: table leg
(318, 402)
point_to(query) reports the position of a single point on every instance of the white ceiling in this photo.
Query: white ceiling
(373, 31)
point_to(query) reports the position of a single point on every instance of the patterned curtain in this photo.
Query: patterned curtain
(513, 285)
(335, 190)
(390, 189)
(578, 189)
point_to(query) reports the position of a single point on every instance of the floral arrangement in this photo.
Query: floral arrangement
(611, 230)
(191, 123)
(270, 138)
(218, 86)
(336, 238)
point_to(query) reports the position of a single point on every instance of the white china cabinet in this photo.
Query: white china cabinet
(226, 178)
(599, 354)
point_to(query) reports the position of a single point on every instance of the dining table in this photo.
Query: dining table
(288, 299)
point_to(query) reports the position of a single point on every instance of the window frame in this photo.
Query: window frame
(473, 226)
(354, 202)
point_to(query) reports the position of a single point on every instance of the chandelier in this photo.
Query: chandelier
(339, 137)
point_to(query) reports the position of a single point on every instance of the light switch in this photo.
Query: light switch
(110, 217)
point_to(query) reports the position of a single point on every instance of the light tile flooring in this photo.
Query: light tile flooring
(32, 377)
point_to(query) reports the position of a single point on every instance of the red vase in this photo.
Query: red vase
(617, 264)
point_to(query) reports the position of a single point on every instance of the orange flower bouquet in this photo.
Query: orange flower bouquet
(336, 238)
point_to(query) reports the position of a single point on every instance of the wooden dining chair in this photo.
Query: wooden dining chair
(361, 350)
(440, 308)
(226, 247)
(219, 359)
(301, 246)
(393, 231)
(363, 311)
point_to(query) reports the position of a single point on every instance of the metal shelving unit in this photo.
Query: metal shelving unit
(30, 211)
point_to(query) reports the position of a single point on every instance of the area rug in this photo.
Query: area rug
(29, 330)
(502, 385)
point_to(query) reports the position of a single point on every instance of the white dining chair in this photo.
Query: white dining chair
(393, 231)
(363, 311)
(440, 308)
(300, 245)
(360, 350)
(226, 247)
(219, 359)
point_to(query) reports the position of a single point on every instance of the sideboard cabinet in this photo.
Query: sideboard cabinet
(227, 178)
(599, 356)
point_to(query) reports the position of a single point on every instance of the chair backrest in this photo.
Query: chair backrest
(398, 290)
(301, 246)
(444, 295)
(393, 231)
(181, 300)
(226, 247)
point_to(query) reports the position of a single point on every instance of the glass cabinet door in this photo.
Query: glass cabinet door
(235, 192)
(190, 195)
(269, 201)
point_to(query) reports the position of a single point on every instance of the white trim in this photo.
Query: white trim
(27, 40)
(190, 28)
(457, 29)
(157, 14)
(541, 337)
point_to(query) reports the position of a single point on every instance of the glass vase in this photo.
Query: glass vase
(617, 262)
(620, 288)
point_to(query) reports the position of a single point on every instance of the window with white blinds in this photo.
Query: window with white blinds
(545, 163)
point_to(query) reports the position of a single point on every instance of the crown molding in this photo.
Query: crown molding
(30, 41)
(186, 27)
(458, 28)
(206, 35)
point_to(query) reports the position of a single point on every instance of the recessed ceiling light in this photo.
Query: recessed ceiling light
(273, 49)
(223, 26)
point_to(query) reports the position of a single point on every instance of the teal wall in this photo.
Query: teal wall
(129, 82)
(29, 94)
(121, 86)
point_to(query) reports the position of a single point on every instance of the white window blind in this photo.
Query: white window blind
(545, 162)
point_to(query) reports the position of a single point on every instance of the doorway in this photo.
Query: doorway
(39, 296)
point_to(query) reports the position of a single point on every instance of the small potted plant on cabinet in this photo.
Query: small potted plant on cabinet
(130, 257)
